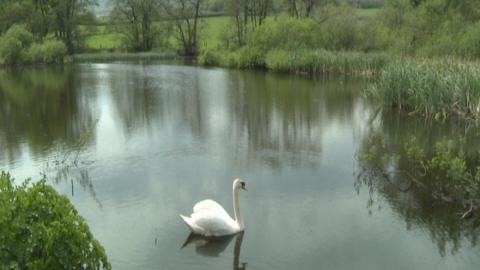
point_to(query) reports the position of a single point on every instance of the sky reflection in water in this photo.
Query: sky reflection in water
(168, 136)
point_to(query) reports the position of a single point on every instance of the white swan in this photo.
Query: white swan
(210, 219)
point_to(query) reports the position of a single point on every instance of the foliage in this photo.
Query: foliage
(40, 229)
(16, 47)
(13, 43)
(432, 88)
(285, 33)
(304, 61)
(186, 18)
(134, 20)
(340, 26)
(48, 52)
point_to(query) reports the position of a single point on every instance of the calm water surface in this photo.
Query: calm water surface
(153, 139)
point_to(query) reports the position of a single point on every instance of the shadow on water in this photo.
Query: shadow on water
(389, 182)
(214, 246)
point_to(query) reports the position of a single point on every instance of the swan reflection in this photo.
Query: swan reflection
(213, 246)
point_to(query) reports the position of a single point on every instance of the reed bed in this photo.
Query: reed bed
(325, 62)
(315, 62)
(432, 88)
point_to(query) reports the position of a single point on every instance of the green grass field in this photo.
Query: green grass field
(104, 41)
(101, 37)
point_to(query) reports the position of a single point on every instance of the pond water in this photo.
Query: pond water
(133, 145)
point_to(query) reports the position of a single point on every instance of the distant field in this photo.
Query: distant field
(105, 41)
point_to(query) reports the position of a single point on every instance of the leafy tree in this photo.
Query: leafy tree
(137, 16)
(185, 14)
(13, 43)
(63, 14)
(40, 229)
(247, 15)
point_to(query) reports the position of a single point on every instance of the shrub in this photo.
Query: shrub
(10, 50)
(48, 52)
(340, 27)
(13, 43)
(278, 60)
(40, 229)
(285, 33)
(470, 42)
(20, 33)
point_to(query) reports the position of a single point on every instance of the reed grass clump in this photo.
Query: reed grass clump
(305, 61)
(432, 88)
(325, 62)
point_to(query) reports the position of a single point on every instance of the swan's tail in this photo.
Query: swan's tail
(191, 225)
(187, 221)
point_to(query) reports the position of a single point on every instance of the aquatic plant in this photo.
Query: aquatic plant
(431, 88)
(304, 61)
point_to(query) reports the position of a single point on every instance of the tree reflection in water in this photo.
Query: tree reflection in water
(44, 109)
(389, 181)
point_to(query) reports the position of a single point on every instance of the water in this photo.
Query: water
(153, 139)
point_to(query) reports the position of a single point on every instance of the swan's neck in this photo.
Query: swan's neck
(236, 209)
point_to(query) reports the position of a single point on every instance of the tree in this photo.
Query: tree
(13, 44)
(40, 229)
(185, 14)
(64, 15)
(247, 14)
(138, 16)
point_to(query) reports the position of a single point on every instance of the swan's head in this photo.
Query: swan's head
(239, 184)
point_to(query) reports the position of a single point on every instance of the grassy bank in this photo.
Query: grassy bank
(119, 56)
(431, 88)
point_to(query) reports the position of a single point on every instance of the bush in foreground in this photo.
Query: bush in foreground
(40, 229)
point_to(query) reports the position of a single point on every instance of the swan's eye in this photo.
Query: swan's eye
(243, 185)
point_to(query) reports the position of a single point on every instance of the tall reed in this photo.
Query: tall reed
(432, 88)
(318, 61)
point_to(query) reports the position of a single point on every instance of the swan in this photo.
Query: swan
(210, 219)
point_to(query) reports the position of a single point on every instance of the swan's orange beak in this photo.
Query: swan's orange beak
(243, 186)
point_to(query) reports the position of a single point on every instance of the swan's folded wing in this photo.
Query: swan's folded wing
(209, 205)
(214, 223)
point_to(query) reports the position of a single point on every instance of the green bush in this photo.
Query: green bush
(340, 26)
(11, 50)
(470, 42)
(48, 52)
(20, 33)
(13, 44)
(284, 32)
(278, 60)
(40, 229)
